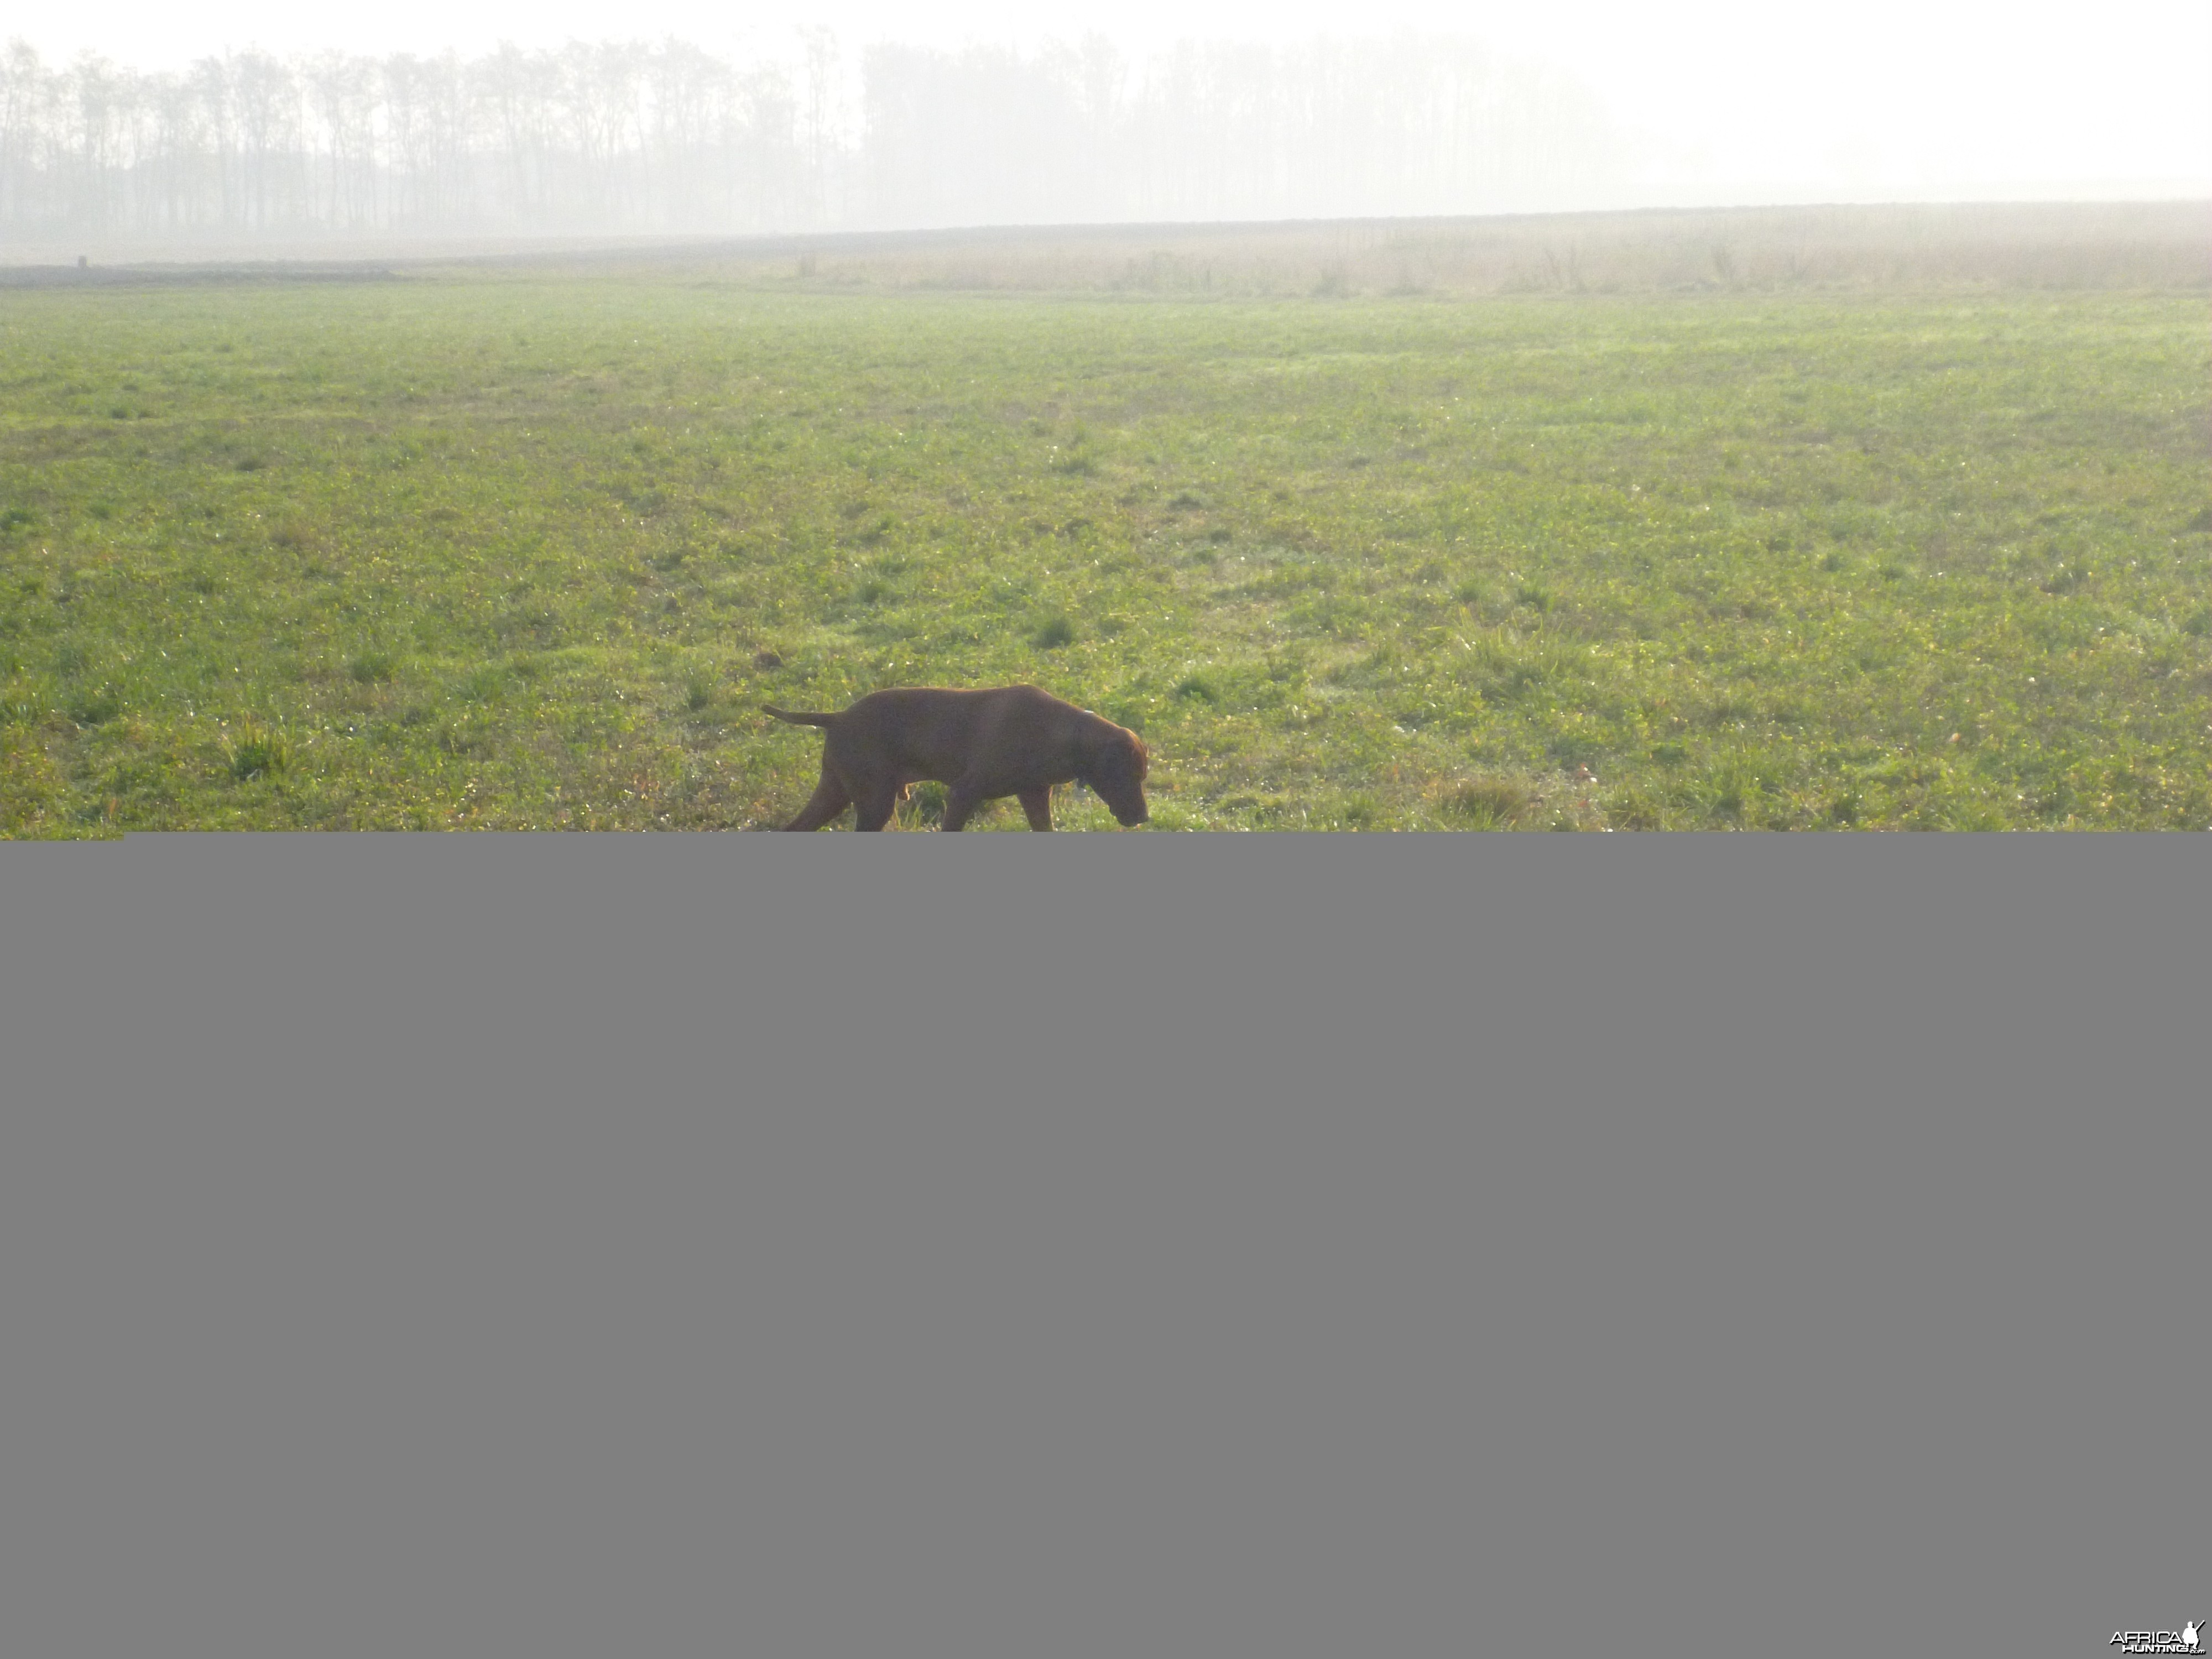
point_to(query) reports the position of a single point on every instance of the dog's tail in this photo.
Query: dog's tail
(799, 719)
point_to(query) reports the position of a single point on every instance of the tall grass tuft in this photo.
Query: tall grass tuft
(1489, 803)
(254, 749)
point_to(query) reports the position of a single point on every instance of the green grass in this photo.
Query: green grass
(531, 551)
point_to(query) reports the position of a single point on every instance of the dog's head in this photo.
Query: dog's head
(1114, 762)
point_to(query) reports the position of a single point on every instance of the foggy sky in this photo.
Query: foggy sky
(1718, 100)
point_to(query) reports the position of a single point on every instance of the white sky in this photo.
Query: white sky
(1867, 99)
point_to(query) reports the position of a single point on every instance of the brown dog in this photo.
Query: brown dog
(1012, 740)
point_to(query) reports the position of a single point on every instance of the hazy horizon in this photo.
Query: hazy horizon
(867, 116)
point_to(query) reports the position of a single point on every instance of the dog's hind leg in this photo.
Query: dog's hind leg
(959, 806)
(1037, 804)
(873, 805)
(830, 799)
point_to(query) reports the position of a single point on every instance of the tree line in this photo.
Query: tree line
(624, 137)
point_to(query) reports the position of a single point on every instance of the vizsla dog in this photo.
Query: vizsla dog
(1012, 740)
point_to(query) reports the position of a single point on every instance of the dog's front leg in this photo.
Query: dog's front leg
(1037, 804)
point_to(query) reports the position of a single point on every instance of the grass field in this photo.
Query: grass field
(526, 548)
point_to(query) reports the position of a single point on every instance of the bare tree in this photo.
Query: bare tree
(265, 94)
(341, 91)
